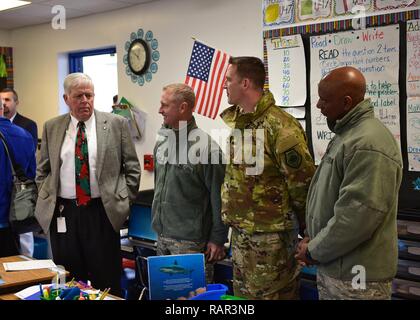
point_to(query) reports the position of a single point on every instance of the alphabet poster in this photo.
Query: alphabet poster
(375, 52)
(413, 58)
(413, 95)
(287, 72)
(413, 133)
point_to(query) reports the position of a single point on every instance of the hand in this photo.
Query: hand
(214, 252)
(301, 253)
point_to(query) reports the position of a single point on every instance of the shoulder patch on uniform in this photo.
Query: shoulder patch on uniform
(293, 158)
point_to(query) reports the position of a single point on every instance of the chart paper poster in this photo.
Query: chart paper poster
(413, 133)
(375, 52)
(287, 71)
(413, 58)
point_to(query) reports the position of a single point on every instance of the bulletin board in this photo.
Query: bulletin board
(6, 67)
(386, 79)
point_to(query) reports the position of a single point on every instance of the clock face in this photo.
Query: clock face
(138, 56)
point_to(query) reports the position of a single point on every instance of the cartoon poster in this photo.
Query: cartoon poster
(174, 276)
(278, 12)
(393, 4)
(343, 7)
(413, 58)
(314, 9)
(375, 52)
(413, 133)
(6, 67)
(287, 72)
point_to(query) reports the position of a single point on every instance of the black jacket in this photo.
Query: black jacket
(28, 125)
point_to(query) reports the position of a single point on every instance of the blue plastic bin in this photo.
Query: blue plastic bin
(214, 292)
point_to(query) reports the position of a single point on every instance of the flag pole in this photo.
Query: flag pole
(208, 45)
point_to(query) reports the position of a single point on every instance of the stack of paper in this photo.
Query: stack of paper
(28, 265)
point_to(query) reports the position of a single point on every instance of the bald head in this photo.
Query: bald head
(340, 91)
(347, 81)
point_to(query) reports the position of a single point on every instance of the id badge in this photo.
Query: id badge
(61, 225)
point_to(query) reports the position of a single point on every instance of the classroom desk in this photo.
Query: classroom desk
(18, 280)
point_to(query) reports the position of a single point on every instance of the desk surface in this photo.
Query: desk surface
(16, 280)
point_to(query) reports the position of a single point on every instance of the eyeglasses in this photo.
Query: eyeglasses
(80, 96)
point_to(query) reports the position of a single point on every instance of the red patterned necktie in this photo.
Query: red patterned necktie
(81, 158)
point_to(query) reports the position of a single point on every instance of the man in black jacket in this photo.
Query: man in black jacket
(10, 101)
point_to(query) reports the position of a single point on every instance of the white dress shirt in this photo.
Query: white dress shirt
(13, 118)
(67, 170)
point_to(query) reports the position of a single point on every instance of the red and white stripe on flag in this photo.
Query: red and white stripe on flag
(206, 75)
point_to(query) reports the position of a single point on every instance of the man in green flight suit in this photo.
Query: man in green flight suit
(264, 201)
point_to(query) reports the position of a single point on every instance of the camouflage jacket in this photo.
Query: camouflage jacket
(266, 202)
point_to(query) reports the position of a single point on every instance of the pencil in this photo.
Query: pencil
(104, 293)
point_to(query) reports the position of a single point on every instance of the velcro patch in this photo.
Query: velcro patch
(293, 158)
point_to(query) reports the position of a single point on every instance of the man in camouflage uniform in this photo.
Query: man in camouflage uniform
(265, 208)
(352, 201)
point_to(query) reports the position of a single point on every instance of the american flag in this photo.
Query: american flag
(206, 75)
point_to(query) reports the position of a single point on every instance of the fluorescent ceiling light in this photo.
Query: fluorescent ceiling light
(9, 4)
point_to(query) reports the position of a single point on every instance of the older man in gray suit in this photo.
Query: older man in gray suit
(87, 174)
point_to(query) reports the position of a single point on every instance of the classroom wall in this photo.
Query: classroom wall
(4, 38)
(39, 53)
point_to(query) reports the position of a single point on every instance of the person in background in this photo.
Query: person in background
(88, 174)
(264, 202)
(115, 100)
(352, 201)
(186, 204)
(21, 148)
(10, 101)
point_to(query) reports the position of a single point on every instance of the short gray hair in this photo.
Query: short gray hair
(76, 79)
(182, 93)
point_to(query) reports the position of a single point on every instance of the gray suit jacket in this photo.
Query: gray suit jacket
(118, 168)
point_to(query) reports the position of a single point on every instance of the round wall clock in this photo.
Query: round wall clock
(138, 56)
(142, 56)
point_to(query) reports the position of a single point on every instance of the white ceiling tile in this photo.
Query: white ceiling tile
(93, 6)
(40, 10)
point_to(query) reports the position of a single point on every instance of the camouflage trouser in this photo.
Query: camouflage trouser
(168, 246)
(335, 289)
(264, 266)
